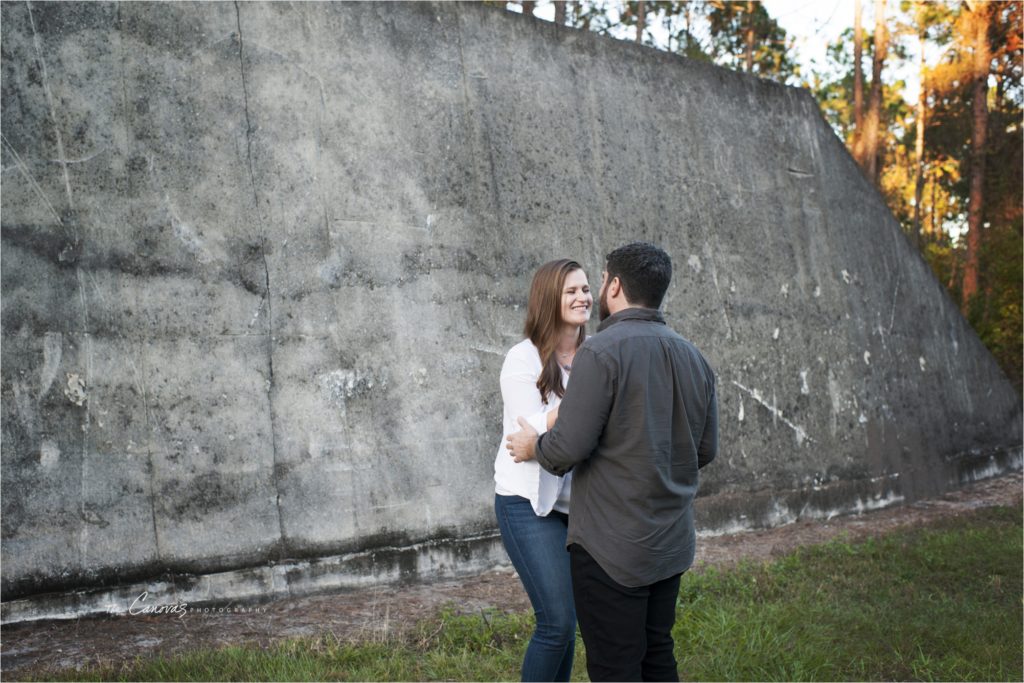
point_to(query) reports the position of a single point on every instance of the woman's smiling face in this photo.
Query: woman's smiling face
(576, 298)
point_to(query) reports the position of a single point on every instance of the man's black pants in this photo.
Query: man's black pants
(627, 631)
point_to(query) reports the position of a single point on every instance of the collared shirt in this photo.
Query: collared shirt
(637, 422)
(521, 398)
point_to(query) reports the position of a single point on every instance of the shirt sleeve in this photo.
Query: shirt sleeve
(520, 393)
(581, 415)
(708, 448)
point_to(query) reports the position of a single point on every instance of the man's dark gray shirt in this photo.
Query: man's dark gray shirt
(637, 421)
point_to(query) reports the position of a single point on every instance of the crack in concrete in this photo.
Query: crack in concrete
(87, 427)
(269, 298)
(140, 384)
(27, 175)
(248, 123)
(141, 387)
(49, 102)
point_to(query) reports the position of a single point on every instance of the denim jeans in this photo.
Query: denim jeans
(536, 546)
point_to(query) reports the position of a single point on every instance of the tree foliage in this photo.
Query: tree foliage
(925, 172)
(745, 38)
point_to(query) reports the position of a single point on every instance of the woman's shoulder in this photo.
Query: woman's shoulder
(524, 348)
(523, 352)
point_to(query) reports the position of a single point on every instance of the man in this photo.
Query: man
(638, 419)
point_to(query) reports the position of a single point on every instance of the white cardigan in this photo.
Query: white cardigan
(521, 398)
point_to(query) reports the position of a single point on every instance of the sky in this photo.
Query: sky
(816, 23)
(812, 23)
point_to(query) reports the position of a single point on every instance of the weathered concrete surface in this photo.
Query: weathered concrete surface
(260, 265)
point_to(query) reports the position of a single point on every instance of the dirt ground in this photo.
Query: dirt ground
(384, 612)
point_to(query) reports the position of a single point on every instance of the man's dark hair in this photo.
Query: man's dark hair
(644, 271)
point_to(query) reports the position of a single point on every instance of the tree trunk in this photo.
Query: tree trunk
(528, 6)
(641, 21)
(919, 170)
(979, 129)
(560, 12)
(686, 17)
(750, 36)
(933, 215)
(577, 15)
(873, 120)
(858, 86)
(919, 141)
(953, 268)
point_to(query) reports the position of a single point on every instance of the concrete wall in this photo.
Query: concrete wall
(261, 263)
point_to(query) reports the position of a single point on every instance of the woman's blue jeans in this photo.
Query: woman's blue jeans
(536, 546)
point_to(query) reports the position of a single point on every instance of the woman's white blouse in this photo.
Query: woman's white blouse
(521, 398)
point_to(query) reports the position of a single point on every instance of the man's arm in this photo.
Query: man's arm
(582, 415)
(708, 448)
(521, 444)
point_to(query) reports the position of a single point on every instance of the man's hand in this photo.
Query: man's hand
(522, 443)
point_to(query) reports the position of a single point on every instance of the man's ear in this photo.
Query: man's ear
(614, 287)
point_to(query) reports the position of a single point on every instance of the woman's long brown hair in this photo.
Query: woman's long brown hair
(544, 322)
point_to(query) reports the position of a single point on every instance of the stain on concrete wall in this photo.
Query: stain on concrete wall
(261, 263)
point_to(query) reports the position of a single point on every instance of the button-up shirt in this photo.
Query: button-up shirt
(521, 398)
(637, 421)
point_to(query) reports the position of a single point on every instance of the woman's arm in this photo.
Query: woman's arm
(520, 393)
(552, 416)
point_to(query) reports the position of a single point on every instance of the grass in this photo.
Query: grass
(940, 602)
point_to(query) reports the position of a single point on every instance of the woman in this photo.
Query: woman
(532, 505)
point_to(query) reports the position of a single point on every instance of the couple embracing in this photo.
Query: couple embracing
(594, 484)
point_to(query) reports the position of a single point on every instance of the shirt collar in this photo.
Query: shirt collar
(647, 314)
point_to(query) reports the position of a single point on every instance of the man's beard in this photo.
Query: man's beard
(602, 304)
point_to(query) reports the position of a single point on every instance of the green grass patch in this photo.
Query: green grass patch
(941, 602)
